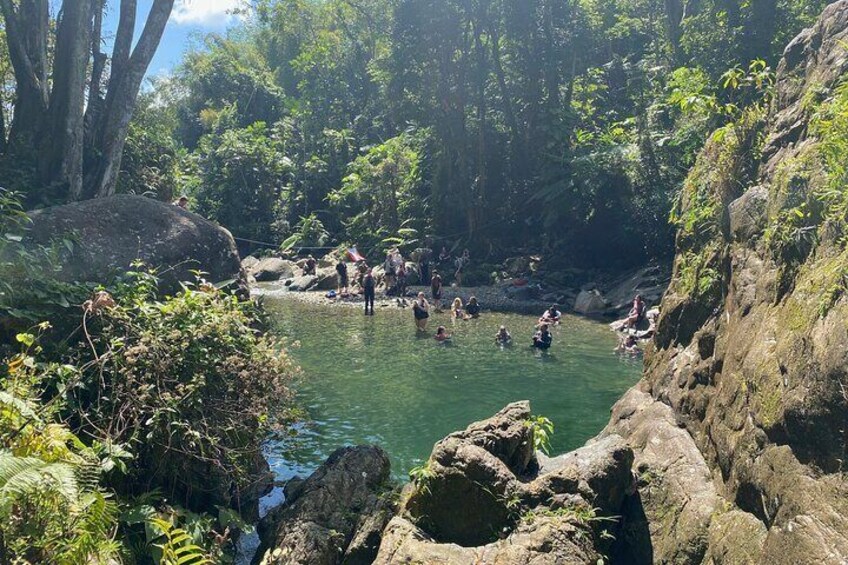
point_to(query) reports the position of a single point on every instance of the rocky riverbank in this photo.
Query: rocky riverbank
(484, 496)
(610, 301)
(732, 448)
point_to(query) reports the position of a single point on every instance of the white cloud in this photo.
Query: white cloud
(204, 12)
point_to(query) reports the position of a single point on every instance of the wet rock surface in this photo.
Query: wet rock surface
(333, 516)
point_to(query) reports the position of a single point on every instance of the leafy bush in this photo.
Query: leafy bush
(187, 382)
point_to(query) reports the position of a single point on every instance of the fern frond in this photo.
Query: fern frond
(25, 476)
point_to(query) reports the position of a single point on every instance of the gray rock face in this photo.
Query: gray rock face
(676, 490)
(750, 362)
(590, 303)
(273, 269)
(112, 233)
(333, 516)
(748, 213)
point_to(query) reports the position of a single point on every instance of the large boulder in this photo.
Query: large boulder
(590, 303)
(472, 475)
(336, 510)
(273, 269)
(483, 497)
(328, 279)
(110, 234)
(302, 283)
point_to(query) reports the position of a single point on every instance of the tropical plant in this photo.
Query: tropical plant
(541, 429)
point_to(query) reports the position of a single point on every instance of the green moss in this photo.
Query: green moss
(698, 275)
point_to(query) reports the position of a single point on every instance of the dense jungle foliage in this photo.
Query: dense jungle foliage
(131, 430)
(566, 127)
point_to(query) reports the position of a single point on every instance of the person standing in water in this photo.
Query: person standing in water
(543, 338)
(503, 337)
(436, 290)
(421, 310)
(472, 309)
(370, 290)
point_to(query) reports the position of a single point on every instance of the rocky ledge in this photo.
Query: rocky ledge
(484, 496)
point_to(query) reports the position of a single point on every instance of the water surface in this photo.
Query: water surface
(376, 380)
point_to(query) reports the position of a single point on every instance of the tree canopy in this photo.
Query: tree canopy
(561, 126)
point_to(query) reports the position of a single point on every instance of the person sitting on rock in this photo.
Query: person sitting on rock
(442, 334)
(551, 316)
(543, 338)
(311, 265)
(637, 312)
(472, 309)
(503, 337)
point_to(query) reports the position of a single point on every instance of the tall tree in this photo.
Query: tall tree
(77, 148)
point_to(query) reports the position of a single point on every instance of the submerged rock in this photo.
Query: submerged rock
(334, 516)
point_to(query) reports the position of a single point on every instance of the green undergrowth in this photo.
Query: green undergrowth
(111, 434)
(722, 172)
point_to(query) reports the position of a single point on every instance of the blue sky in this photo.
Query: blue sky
(190, 19)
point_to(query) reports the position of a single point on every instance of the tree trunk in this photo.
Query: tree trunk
(60, 163)
(26, 36)
(674, 11)
(124, 84)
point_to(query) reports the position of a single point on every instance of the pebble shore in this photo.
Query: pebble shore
(491, 298)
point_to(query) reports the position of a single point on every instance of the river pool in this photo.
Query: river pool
(376, 380)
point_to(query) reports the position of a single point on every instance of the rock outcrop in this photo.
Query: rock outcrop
(485, 497)
(740, 425)
(271, 269)
(334, 516)
(110, 234)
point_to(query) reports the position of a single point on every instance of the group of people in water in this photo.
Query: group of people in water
(421, 309)
(395, 281)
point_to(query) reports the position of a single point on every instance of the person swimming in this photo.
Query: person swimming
(551, 316)
(543, 338)
(472, 309)
(442, 334)
(629, 345)
(456, 309)
(503, 337)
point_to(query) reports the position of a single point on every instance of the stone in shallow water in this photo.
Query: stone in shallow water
(327, 511)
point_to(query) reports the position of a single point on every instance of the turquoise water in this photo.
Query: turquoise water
(375, 380)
